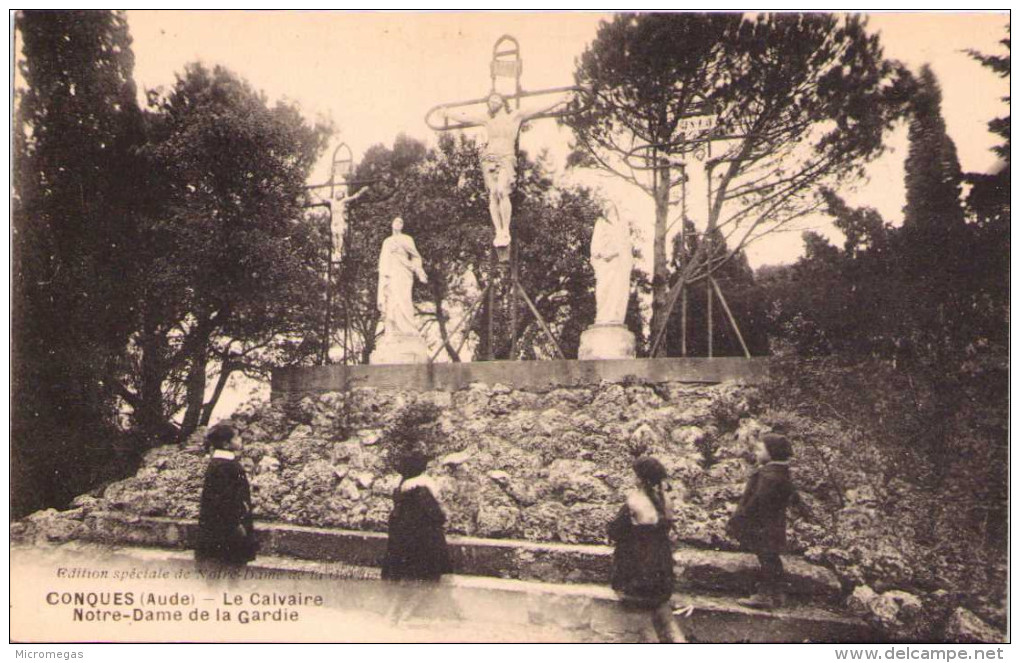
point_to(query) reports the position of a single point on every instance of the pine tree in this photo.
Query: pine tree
(803, 100)
(988, 209)
(935, 237)
(933, 175)
(1000, 64)
(74, 188)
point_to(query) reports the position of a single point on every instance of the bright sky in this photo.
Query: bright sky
(377, 73)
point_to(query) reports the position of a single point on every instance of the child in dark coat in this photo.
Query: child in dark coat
(643, 558)
(226, 533)
(416, 547)
(759, 522)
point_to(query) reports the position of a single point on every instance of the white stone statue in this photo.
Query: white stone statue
(612, 258)
(399, 264)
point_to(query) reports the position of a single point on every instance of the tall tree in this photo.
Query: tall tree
(1000, 65)
(75, 182)
(233, 265)
(803, 99)
(988, 209)
(646, 72)
(934, 230)
(933, 175)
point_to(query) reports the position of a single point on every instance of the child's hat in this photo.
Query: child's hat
(220, 434)
(649, 470)
(411, 462)
(778, 446)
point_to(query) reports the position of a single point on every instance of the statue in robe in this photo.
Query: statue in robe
(612, 258)
(399, 264)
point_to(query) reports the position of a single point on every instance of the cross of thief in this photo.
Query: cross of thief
(697, 132)
(502, 126)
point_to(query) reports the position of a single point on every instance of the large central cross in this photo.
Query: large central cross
(502, 124)
(501, 116)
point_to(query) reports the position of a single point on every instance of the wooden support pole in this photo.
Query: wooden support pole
(492, 305)
(467, 316)
(674, 295)
(729, 314)
(463, 339)
(514, 275)
(683, 322)
(708, 293)
(541, 320)
(326, 323)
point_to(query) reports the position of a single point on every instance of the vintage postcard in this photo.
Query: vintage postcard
(510, 327)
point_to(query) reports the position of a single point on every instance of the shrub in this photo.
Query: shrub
(907, 464)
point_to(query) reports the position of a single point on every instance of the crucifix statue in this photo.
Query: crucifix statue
(502, 124)
(499, 154)
(338, 222)
(501, 116)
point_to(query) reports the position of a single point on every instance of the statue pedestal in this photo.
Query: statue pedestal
(400, 349)
(606, 342)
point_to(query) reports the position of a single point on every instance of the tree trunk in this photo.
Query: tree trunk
(196, 395)
(149, 414)
(660, 271)
(198, 358)
(226, 371)
(369, 336)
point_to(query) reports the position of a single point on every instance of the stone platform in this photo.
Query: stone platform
(536, 375)
(709, 571)
(587, 608)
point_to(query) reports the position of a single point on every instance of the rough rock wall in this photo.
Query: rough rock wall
(550, 466)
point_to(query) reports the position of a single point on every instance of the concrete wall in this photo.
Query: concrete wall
(517, 374)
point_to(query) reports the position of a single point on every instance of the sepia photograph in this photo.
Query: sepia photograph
(577, 327)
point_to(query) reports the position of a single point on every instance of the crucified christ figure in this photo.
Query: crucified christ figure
(499, 155)
(339, 222)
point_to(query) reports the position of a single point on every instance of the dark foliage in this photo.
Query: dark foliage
(441, 197)
(152, 251)
(911, 486)
(934, 291)
(736, 280)
(232, 277)
(893, 379)
(76, 179)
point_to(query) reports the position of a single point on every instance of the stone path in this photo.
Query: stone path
(55, 595)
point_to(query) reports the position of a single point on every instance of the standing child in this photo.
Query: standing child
(759, 522)
(643, 558)
(416, 546)
(226, 533)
